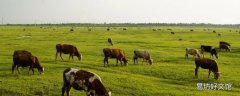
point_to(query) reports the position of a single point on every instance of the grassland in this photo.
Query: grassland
(170, 75)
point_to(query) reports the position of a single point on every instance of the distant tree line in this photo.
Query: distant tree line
(131, 24)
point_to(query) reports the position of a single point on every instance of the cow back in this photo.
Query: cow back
(22, 57)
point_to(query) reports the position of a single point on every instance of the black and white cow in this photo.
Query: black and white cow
(210, 49)
(83, 80)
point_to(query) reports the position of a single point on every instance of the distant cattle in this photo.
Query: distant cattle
(154, 30)
(223, 42)
(108, 29)
(115, 53)
(142, 54)
(191, 30)
(110, 41)
(209, 49)
(224, 46)
(83, 80)
(214, 31)
(173, 33)
(209, 64)
(23, 58)
(193, 52)
(219, 34)
(71, 30)
(67, 49)
(124, 29)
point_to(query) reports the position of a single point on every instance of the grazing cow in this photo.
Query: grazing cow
(67, 49)
(223, 42)
(83, 80)
(224, 46)
(154, 30)
(114, 53)
(210, 49)
(71, 30)
(214, 31)
(23, 58)
(209, 64)
(142, 54)
(191, 30)
(124, 28)
(108, 29)
(219, 34)
(193, 52)
(110, 41)
(172, 32)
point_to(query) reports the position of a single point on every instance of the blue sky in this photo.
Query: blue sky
(120, 11)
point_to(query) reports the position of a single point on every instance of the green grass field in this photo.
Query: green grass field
(170, 74)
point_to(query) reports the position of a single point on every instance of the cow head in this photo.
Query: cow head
(150, 61)
(125, 61)
(41, 69)
(80, 57)
(216, 75)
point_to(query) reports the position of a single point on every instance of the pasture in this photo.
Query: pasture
(170, 74)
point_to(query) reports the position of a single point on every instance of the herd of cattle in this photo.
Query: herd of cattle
(91, 83)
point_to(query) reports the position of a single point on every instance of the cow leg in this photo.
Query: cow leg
(209, 72)
(56, 56)
(105, 61)
(13, 67)
(31, 68)
(196, 71)
(68, 90)
(116, 61)
(72, 57)
(186, 56)
(61, 55)
(120, 61)
(63, 90)
(18, 69)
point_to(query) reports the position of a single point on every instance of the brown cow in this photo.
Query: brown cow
(67, 49)
(193, 52)
(23, 58)
(224, 46)
(83, 80)
(209, 64)
(110, 41)
(114, 53)
(223, 42)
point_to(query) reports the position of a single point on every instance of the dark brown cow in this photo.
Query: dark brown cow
(223, 42)
(114, 53)
(209, 64)
(67, 49)
(110, 41)
(172, 32)
(224, 46)
(23, 58)
(83, 80)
